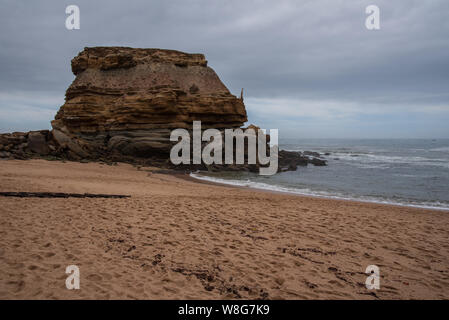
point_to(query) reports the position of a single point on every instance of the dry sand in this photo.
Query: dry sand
(180, 239)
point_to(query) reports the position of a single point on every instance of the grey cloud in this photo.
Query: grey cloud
(305, 50)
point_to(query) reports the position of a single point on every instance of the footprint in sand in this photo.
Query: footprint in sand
(17, 285)
(94, 277)
(49, 254)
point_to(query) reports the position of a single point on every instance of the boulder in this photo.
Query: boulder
(37, 143)
(69, 143)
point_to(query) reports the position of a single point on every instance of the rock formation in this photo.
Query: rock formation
(24, 145)
(124, 103)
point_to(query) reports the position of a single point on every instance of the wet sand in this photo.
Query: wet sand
(176, 238)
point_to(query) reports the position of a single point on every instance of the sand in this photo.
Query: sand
(180, 239)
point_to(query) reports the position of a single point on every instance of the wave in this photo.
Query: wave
(435, 205)
(369, 158)
(441, 149)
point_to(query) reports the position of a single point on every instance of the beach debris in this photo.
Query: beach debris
(59, 195)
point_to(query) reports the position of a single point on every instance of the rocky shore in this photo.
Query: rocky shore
(123, 104)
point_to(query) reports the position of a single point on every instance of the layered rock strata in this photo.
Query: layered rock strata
(126, 101)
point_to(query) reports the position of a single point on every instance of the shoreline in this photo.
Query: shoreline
(427, 208)
(179, 238)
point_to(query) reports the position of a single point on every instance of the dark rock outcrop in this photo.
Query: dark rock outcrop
(24, 145)
(290, 160)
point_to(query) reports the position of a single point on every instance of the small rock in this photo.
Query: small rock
(22, 146)
(279, 281)
(318, 162)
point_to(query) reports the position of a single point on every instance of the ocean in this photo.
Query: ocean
(408, 172)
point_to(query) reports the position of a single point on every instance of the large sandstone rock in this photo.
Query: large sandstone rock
(126, 101)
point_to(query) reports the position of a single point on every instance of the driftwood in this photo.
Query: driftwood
(59, 195)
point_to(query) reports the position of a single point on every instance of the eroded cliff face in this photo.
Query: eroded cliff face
(126, 101)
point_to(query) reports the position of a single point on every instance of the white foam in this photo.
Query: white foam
(321, 194)
(373, 160)
(442, 149)
(382, 160)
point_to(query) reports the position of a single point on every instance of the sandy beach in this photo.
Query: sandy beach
(176, 238)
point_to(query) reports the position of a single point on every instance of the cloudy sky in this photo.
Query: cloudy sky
(308, 67)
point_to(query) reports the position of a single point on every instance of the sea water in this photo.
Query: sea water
(409, 172)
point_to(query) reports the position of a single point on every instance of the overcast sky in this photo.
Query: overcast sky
(309, 68)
